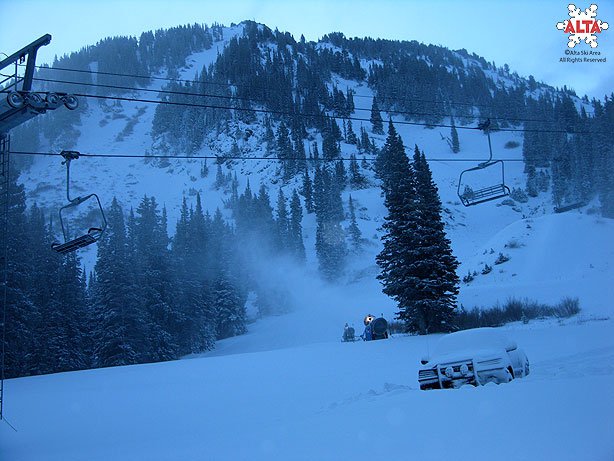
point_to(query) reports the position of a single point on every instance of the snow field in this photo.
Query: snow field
(559, 255)
(325, 401)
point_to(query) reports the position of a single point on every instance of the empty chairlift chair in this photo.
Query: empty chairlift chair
(94, 233)
(483, 192)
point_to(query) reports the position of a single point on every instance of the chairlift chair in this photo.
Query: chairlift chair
(94, 233)
(467, 195)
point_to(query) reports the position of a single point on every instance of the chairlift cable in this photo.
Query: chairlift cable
(149, 90)
(224, 158)
(229, 85)
(300, 114)
(187, 93)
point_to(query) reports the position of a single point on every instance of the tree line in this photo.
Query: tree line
(579, 164)
(152, 296)
(147, 299)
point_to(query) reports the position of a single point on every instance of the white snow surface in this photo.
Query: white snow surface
(323, 401)
(289, 389)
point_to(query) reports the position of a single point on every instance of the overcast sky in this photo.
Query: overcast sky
(520, 33)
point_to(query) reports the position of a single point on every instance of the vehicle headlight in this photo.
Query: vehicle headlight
(449, 372)
(464, 369)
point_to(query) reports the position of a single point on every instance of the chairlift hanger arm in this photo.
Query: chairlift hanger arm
(70, 155)
(485, 127)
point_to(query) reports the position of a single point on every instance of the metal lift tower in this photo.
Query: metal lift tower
(18, 104)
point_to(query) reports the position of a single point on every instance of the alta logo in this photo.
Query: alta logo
(582, 25)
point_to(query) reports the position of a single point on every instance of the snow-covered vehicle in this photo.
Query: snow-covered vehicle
(474, 357)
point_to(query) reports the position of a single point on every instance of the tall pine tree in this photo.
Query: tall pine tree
(455, 145)
(376, 118)
(417, 267)
(330, 239)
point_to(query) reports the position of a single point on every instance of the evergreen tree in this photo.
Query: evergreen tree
(330, 239)
(44, 322)
(316, 152)
(282, 223)
(285, 151)
(350, 137)
(354, 230)
(220, 179)
(297, 246)
(365, 142)
(234, 191)
(376, 118)
(454, 136)
(357, 180)
(341, 177)
(330, 144)
(68, 322)
(299, 153)
(532, 188)
(120, 332)
(194, 331)
(364, 164)
(435, 264)
(349, 96)
(152, 264)
(204, 169)
(22, 314)
(388, 160)
(228, 308)
(417, 266)
(264, 212)
(307, 192)
(269, 136)
(401, 226)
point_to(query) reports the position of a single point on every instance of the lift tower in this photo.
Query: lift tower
(18, 104)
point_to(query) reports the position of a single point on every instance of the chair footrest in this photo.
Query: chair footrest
(485, 194)
(74, 244)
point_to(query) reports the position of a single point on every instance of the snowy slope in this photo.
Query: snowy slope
(326, 401)
(567, 255)
(562, 255)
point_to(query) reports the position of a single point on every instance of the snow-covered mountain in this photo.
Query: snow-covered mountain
(125, 127)
(288, 388)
